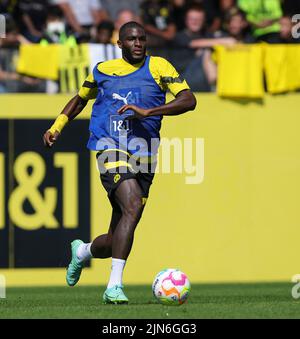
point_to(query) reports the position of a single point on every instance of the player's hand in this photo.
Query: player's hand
(49, 139)
(139, 113)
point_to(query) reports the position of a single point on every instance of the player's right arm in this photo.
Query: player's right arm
(71, 110)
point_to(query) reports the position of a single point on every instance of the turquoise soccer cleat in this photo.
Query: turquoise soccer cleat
(115, 295)
(75, 267)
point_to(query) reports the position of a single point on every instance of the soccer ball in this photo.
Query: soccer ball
(171, 287)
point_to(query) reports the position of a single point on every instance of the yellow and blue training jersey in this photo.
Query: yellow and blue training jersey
(116, 83)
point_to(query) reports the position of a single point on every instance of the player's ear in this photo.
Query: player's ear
(120, 44)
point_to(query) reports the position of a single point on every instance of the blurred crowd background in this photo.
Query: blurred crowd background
(183, 31)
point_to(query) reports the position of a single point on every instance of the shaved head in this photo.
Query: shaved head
(128, 25)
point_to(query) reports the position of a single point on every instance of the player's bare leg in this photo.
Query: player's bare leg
(117, 243)
(129, 197)
(102, 246)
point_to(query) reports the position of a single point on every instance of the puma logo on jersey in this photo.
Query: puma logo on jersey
(119, 97)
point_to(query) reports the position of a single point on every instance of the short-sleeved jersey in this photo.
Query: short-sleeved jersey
(163, 72)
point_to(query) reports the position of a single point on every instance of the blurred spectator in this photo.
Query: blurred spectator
(82, 15)
(8, 7)
(114, 7)
(104, 32)
(32, 16)
(286, 26)
(237, 27)
(226, 5)
(157, 17)
(13, 37)
(195, 36)
(191, 56)
(213, 14)
(55, 31)
(179, 9)
(10, 80)
(213, 10)
(263, 15)
(123, 17)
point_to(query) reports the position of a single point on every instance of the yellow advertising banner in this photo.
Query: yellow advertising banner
(227, 211)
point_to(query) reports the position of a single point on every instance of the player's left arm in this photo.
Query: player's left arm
(184, 101)
(168, 79)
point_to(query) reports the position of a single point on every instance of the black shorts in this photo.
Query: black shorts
(115, 166)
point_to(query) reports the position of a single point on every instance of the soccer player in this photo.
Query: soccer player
(124, 128)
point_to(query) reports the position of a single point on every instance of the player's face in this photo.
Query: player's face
(134, 45)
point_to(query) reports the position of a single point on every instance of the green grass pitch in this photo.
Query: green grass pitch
(205, 301)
